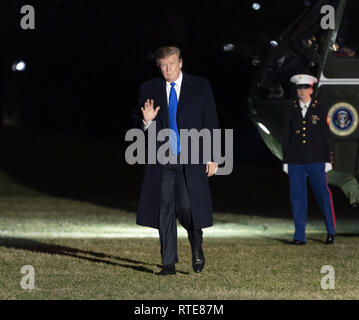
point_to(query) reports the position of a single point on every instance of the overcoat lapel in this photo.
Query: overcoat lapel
(183, 99)
(163, 114)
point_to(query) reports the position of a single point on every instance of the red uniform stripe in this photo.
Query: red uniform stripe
(331, 204)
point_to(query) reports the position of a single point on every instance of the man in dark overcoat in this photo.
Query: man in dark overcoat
(176, 101)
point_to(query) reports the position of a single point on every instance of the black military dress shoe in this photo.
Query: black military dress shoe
(198, 260)
(167, 270)
(297, 242)
(331, 238)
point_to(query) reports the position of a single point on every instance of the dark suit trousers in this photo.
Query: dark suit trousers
(175, 204)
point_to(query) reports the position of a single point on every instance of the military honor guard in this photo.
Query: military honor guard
(306, 153)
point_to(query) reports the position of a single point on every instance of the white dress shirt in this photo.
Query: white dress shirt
(304, 107)
(178, 84)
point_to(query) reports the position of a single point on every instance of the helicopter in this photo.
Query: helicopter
(332, 55)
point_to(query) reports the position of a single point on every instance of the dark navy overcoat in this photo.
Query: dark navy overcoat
(196, 110)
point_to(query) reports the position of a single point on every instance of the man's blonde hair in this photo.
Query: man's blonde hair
(166, 51)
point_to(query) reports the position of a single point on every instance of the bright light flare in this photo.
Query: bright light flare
(19, 66)
(228, 47)
(263, 127)
(256, 6)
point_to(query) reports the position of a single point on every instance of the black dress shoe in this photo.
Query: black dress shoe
(167, 270)
(198, 260)
(297, 242)
(331, 238)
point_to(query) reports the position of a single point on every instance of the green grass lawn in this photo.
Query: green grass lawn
(81, 250)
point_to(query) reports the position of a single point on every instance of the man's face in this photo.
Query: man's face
(304, 93)
(171, 67)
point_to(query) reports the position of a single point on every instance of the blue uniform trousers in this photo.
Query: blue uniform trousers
(298, 174)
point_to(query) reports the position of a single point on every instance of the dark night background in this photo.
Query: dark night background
(85, 61)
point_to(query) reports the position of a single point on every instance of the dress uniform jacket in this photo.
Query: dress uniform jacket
(305, 140)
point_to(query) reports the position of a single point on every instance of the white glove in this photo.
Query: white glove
(285, 167)
(328, 166)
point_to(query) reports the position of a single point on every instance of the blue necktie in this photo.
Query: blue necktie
(172, 112)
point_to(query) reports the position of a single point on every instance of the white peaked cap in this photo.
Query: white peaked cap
(299, 79)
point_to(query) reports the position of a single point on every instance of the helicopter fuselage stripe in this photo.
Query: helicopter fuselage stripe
(337, 81)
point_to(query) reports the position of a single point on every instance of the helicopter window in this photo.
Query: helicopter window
(309, 37)
(347, 42)
(301, 54)
(279, 72)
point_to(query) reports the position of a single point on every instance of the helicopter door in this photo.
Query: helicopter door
(339, 90)
(343, 57)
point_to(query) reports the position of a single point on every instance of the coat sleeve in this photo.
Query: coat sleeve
(325, 134)
(287, 133)
(210, 120)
